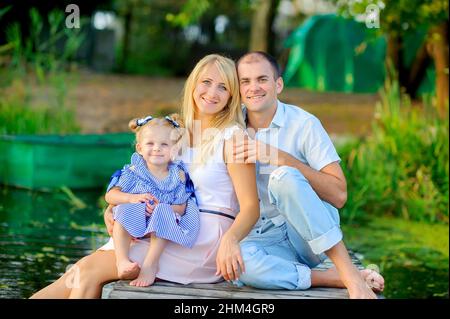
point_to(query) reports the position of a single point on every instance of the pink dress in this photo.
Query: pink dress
(214, 191)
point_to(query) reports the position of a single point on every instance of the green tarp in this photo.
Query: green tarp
(330, 53)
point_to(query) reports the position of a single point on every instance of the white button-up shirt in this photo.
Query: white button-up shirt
(299, 133)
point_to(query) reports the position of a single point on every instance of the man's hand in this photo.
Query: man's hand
(249, 151)
(109, 220)
(229, 260)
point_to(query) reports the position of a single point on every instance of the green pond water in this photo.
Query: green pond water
(41, 234)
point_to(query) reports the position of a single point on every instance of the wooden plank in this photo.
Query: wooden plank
(167, 290)
(227, 292)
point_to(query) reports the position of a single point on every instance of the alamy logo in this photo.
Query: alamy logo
(73, 19)
(373, 16)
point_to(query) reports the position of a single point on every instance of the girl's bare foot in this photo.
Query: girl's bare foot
(127, 269)
(146, 276)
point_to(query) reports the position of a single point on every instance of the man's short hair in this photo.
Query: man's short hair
(255, 55)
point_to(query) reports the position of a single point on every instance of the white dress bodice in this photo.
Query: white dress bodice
(213, 186)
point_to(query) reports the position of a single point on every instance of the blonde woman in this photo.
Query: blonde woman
(226, 193)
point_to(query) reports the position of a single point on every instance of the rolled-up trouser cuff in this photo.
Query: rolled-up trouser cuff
(304, 277)
(326, 241)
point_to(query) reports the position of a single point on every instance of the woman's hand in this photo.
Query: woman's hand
(229, 260)
(109, 220)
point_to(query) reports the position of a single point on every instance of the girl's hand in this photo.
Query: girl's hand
(150, 205)
(140, 198)
(229, 260)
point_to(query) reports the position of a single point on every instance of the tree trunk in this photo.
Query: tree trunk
(261, 25)
(128, 17)
(393, 56)
(438, 48)
(417, 70)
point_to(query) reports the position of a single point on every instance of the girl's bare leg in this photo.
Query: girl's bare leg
(125, 267)
(150, 266)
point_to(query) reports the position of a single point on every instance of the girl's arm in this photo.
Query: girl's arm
(243, 176)
(115, 196)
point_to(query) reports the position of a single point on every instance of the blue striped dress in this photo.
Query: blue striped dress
(135, 178)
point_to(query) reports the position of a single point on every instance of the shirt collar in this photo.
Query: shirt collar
(278, 118)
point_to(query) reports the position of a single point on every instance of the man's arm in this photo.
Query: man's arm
(329, 183)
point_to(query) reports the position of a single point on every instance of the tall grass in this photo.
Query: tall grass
(402, 167)
(18, 117)
(38, 63)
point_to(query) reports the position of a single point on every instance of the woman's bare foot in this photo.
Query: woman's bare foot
(146, 276)
(127, 269)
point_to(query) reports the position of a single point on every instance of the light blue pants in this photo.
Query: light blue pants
(280, 257)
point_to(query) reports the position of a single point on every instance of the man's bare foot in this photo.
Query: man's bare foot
(127, 269)
(365, 289)
(373, 279)
(146, 276)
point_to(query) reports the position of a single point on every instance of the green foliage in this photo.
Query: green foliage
(190, 13)
(402, 168)
(39, 61)
(399, 15)
(18, 117)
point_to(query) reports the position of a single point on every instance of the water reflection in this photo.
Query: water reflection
(41, 234)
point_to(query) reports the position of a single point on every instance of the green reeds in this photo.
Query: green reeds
(37, 66)
(402, 167)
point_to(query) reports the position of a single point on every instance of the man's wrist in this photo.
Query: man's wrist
(280, 158)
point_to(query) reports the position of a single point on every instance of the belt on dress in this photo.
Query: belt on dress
(216, 213)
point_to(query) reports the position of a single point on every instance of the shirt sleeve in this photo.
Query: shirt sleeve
(125, 180)
(316, 145)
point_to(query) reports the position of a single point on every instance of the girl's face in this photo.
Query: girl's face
(210, 94)
(155, 145)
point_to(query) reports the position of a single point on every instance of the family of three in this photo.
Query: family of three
(247, 194)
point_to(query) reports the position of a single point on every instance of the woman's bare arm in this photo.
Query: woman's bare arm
(243, 176)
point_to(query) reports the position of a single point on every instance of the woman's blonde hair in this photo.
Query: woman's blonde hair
(230, 115)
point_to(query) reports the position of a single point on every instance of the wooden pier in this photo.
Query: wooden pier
(166, 290)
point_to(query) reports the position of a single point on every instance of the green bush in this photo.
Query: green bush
(402, 167)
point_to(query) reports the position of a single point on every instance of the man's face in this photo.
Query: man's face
(258, 86)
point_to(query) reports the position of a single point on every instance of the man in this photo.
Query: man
(300, 185)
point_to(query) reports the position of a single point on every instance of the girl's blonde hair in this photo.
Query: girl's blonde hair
(230, 115)
(177, 134)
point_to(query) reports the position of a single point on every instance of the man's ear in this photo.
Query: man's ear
(280, 84)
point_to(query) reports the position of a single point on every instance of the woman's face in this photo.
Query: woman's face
(210, 94)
